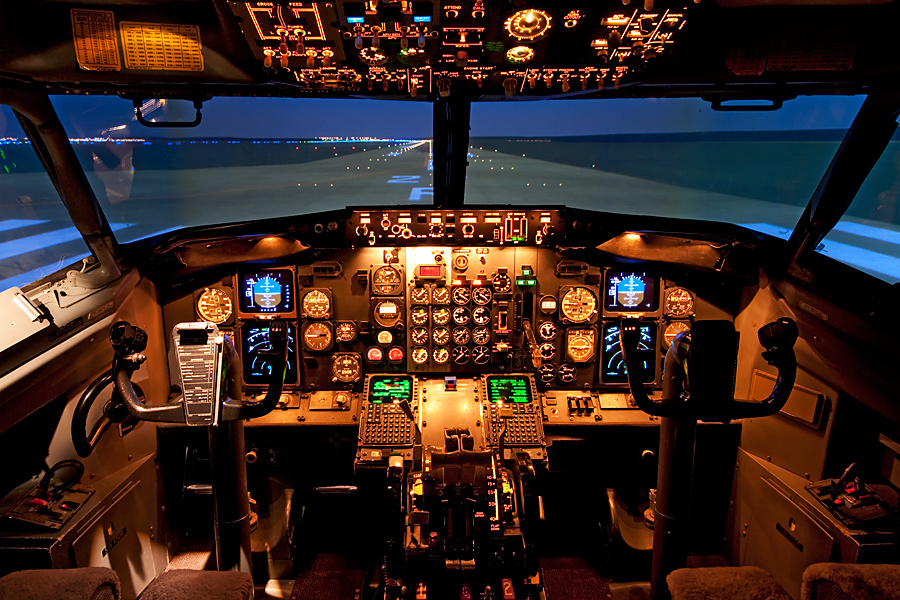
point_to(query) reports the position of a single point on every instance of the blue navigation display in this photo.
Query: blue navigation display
(254, 342)
(268, 292)
(630, 292)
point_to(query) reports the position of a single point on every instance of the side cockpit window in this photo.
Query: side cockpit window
(37, 236)
(868, 235)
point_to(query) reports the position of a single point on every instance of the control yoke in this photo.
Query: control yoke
(207, 361)
(700, 366)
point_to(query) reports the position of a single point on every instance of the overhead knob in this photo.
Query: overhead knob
(462, 58)
(509, 85)
(443, 86)
(615, 38)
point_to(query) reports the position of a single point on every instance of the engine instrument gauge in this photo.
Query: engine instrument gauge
(580, 344)
(461, 336)
(481, 355)
(387, 313)
(519, 55)
(481, 296)
(481, 335)
(374, 57)
(419, 295)
(316, 304)
(547, 373)
(384, 337)
(440, 295)
(679, 302)
(214, 305)
(460, 355)
(419, 355)
(578, 305)
(613, 368)
(346, 367)
(547, 330)
(548, 351)
(387, 281)
(566, 373)
(317, 336)
(345, 331)
(419, 335)
(440, 335)
(418, 315)
(440, 355)
(461, 295)
(672, 331)
(528, 25)
(375, 354)
(481, 315)
(501, 283)
(254, 341)
(440, 315)
(461, 315)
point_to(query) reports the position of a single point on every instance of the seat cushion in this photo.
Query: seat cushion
(188, 584)
(724, 583)
(833, 581)
(88, 583)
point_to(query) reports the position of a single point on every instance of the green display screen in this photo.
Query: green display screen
(387, 389)
(509, 389)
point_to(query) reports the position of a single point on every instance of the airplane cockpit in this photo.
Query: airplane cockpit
(437, 300)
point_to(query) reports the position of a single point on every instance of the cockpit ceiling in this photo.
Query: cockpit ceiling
(418, 49)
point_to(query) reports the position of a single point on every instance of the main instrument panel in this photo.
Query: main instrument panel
(439, 293)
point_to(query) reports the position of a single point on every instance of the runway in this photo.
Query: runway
(147, 188)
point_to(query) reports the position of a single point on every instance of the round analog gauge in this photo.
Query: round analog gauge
(440, 315)
(419, 295)
(419, 355)
(460, 355)
(214, 305)
(461, 315)
(461, 336)
(481, 355)
(345, 331)
(317, 336)
(461, 295)
(520, 55)
(481, 335)
(548, 351)
(316, 304)
(481, 296)
(387, 313)
(528, 25)
(481, 315)
(374, 57)
(547, 330)
(419, 335)
(580, 345)
(374, 354)
(501, 283)
(384, 337)
(673, 330)
(566, 373)
(387, 281)
(679, 302)
(547, 373)
(395, 354)
(346, 367)
(418, 315)
(579, 305)
(440, 295)
(440, 355)
(549, 304)
(440, 335)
